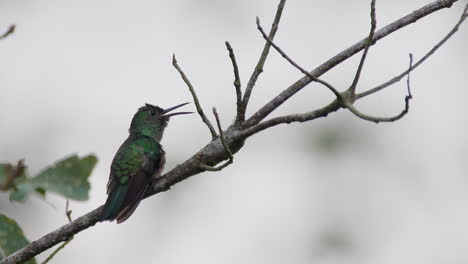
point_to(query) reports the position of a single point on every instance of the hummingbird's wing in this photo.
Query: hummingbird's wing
(132, 169)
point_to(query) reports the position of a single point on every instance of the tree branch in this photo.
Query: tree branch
(344, 55)
(420, 61)
(287, 119)
(234, 136)
(374, 119)
(64, 244)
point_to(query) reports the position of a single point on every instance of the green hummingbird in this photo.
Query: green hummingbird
(138, 162)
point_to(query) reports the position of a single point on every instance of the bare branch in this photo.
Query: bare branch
(344, 55)
(287, 119)
(195, 98)
(237, 84)
(374, 119)
(352, 88)
(68, 214)
(420, 61)
(10, 30)
(293, 63)
(234, 137)
(259, 68)
(226, 147)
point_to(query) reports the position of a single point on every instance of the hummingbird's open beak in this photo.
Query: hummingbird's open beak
(166, 113)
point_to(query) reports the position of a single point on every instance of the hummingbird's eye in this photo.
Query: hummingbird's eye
(153, 112)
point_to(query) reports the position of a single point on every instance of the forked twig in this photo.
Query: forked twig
(352, 89)
(329, 64)
(420, 61)
(408, 97)
(226, 147)
(195, 97)
(349, 98)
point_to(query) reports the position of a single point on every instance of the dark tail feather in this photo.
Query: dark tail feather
(124, 199)
(128, 210)
(137, 186)
(113, 203)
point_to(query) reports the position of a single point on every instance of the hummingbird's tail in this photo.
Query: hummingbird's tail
(113, 203)
(123, 199)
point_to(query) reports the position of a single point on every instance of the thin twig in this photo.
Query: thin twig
(410, 69)
(374, 119)
(237, 83)
(11, 174)
(261, 62)
(277, 101)
(420, 61)
(226, 147)
(10, 30)
(292, 118)
(68, 212)
(195, 98)
(293, 63)
(352, 88)
(64, 244)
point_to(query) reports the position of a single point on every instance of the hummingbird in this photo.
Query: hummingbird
(138, 162)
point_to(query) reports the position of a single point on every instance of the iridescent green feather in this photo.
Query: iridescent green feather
(128, 162)
(131, 156)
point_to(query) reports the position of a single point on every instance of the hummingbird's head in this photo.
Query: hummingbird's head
(150, 120)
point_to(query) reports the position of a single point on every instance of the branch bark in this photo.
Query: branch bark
(234, 136)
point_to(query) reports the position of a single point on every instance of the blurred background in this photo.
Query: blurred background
(334, 190)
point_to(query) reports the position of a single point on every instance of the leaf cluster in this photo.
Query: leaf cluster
(67, 177)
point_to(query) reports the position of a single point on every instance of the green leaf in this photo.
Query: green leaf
(68, 177)
(11, 238)
(20, 193)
